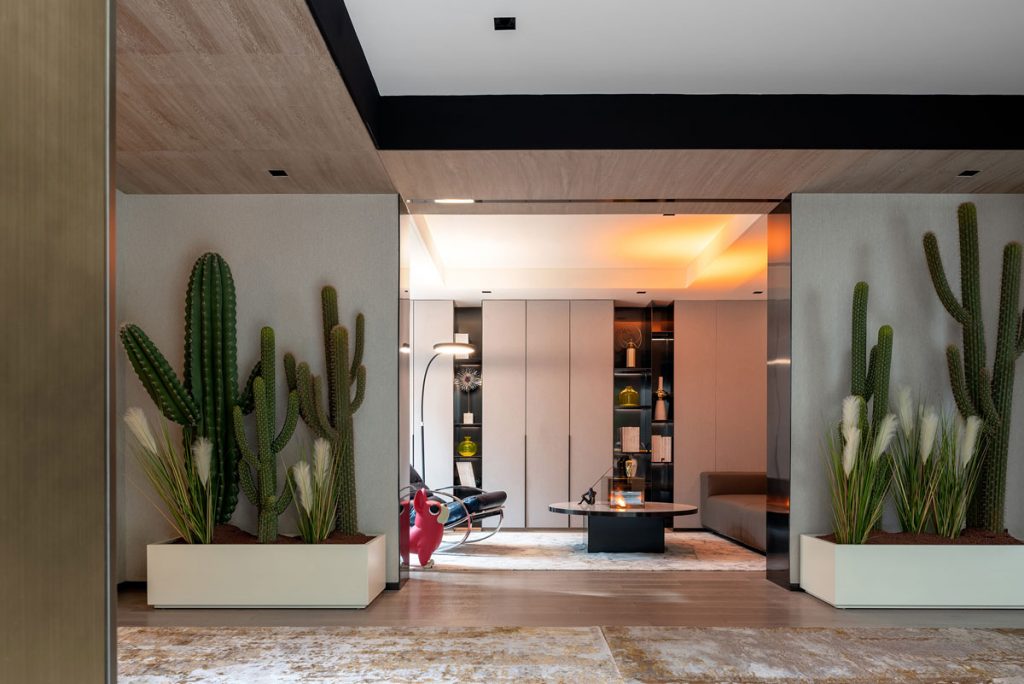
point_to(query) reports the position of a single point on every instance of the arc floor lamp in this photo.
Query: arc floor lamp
(440, 349)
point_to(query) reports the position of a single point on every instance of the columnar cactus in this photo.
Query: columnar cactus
(870, 373)
(202, 403)
(346, 387)
(258, 469)
(977, 391)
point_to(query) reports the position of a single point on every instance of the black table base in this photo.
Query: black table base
(625, 535)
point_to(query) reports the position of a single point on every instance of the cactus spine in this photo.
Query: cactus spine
(346, 387)
(975, 390)
(258, 469)
(869, 377)
(203, 401)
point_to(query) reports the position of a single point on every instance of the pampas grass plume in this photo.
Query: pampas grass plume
(851, 412)
(851, 447)
(136, 421)
(905, 404)
(929, 428)
(886, 431)
(304, 484)
(321, 461)
(202, 453)
(969, 441)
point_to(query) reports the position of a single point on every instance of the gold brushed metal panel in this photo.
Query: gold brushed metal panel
(54, 141)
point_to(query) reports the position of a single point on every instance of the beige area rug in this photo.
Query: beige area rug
(257, 655)
(555, 550)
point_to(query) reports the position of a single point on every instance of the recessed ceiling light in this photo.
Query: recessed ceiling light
(668, 214)
(641, 291)
(967, 173)
(277, 172)
(504, 23)
(454, 201)
(485, 292)
(758, 291)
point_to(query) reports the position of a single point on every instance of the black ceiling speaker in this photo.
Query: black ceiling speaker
(504, 23)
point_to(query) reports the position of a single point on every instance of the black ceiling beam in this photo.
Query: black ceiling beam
(510, 122)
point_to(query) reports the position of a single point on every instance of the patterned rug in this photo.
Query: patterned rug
(556, 550)
(258, 655)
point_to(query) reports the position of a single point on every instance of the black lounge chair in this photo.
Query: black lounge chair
(466, 506)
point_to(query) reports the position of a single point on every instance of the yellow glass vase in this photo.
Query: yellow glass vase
(629, 397)
(467, 447)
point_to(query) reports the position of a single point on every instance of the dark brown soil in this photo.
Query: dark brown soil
(229, 534)
(970, 537)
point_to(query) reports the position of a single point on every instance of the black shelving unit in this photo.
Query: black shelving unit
(469, 320)
(654, 359)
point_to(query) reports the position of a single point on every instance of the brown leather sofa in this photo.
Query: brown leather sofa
(733, 505)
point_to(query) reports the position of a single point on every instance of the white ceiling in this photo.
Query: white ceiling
(587, 257)
(449, 47)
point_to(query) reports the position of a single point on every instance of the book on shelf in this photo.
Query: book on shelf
(630, 439)
(661, 449)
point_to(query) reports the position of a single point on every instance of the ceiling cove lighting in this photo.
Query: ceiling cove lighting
(454, 201)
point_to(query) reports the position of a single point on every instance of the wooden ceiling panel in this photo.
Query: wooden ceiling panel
(695, 174)
(212, 94)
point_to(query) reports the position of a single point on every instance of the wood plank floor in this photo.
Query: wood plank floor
(576, 598)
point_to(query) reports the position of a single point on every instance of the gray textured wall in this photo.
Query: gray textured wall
(282, 249)
(840, 239)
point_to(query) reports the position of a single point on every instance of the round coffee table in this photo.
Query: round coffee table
(625, 530)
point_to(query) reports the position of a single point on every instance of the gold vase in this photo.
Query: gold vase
(629, 397)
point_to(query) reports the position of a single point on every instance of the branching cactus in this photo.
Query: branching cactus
(976, 390)
(257, 472)
(870, 372)
(346, 387)
(202, 402)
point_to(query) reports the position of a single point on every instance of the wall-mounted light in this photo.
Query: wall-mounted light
(405, 349)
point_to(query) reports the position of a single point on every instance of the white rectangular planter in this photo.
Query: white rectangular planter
(910, 576)
(265, 575)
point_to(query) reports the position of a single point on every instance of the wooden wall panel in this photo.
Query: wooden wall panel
(504, 405)
(591, 388)
(547, 411)
(54, 582)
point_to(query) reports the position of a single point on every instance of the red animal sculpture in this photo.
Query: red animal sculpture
(425, 536)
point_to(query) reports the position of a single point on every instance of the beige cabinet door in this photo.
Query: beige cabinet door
(504, 406)
(591, 351)
(547, 411)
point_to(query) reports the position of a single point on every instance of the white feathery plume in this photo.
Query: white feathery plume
(321, 461)
(905, 404)
(969, 439)
(886, 431)
(303, 483)
(202, 453)
(136, 421)
(851, 447)
(929, 428)
(851, 412)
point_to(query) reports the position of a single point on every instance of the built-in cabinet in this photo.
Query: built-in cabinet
(547, 371)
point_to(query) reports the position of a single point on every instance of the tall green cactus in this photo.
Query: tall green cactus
(258, 469)
(869, 377)
(975, 390)
(203, 401)
(344, 376)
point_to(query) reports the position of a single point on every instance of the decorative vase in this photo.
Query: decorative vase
(630, 468)
(660, 408)
(629, 397)
(631, 355)
(467, 447)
